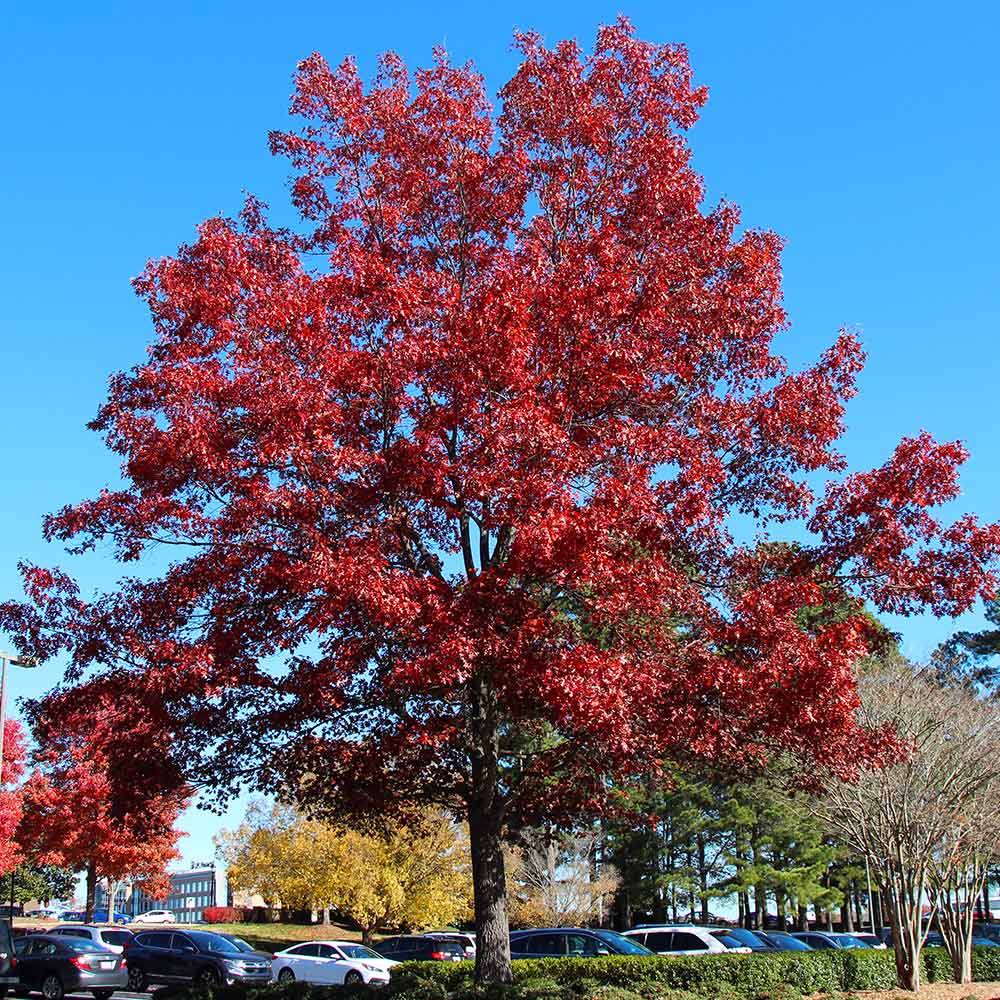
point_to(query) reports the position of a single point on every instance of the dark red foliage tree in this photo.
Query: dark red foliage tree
(452, 469)
(105, 793)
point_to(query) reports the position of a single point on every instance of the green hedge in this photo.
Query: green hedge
(738, 976)
(781, 976)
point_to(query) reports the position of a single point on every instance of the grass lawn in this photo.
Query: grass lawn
(275, 937)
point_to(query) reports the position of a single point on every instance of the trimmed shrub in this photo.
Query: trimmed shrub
(222, 914)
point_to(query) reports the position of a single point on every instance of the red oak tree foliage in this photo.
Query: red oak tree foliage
(105, 793)
(457, 462)
(14, 755)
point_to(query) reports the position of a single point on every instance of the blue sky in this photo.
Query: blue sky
(866, 134)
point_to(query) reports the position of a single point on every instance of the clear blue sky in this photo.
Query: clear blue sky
(866, 134)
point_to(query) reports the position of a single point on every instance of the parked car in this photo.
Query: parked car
(575, 942)
(200, 957)
(8, 971)
(467, 941)
(820, 940)
(330, 962)
(783, 941)
(43, 914)
(740, 939)
(101, 917)
(156, 917)
(115, 938)
(55, 965)
(416, 947)
(68, 915)
(676, 939)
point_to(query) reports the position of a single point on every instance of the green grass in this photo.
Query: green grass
(275, 937)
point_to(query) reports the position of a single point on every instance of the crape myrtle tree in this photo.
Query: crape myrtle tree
(925, 818)
(448, 469)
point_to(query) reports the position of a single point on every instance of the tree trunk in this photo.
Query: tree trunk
(803, 922)
(367, 936)
(88, 917)
(489, 880)
(904, 896)
(326, 915)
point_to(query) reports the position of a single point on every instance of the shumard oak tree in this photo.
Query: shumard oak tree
(448, 468)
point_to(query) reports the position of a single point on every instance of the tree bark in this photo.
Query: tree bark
(88, 916)
(486, 811)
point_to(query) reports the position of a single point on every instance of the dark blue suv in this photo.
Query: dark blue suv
(571, 942)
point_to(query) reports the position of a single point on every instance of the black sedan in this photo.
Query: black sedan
(55, 965)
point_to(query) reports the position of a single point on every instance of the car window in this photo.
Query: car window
(546, 944)
(115, 937)
(156, 939)
(307, 950)
(519, 946)
(686, 941)
(75, 932)
(44, 948)
(655, 940)
(583, 945)
(325, 951)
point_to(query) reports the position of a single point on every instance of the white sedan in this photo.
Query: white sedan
(155, 917)
(336, 962)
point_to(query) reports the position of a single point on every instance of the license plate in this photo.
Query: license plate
(106, 965)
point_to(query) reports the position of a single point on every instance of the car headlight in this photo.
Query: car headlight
(370, 968)
(235, 966)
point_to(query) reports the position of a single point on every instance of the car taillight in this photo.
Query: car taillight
(80, 962)
(439, 955)
(274, 958)
(13, 961)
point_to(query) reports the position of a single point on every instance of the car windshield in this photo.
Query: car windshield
(622, 944)
(358, 951)
(115, 937)
(849, 941)
(788, 942)
(213, 942)
(240, 944)
(738, 938)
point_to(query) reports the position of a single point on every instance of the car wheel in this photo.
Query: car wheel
(137, 982)
(353, 978)
(52, 988)
(103, 994)
(208, 977)
(286, 976)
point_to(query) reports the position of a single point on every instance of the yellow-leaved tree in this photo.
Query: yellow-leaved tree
(411, 876)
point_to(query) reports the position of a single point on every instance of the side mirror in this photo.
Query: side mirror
(189, 950)
(603, 951)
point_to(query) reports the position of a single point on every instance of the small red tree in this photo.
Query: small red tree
(103, 797)
(457, 463)
(14, 755)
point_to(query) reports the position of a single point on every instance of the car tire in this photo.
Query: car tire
(52, 987)
(286, 976)
(137, 981)
(353, 978)
(103, 994)
(208, 977)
